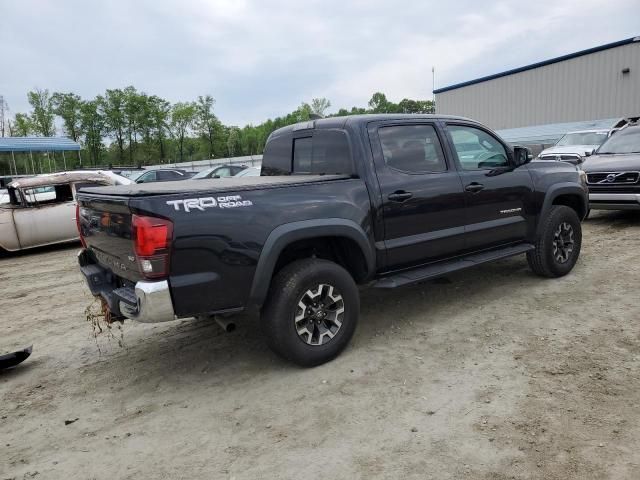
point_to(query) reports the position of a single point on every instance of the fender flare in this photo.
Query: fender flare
(285, 234)
(564, 188)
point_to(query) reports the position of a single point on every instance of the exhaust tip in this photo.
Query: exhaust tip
(226, 324)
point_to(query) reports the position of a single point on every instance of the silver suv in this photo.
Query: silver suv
(573, 147)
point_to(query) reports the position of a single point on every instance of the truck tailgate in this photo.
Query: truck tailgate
(107, 232)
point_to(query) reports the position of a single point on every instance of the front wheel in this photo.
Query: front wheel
(311, 311)
(558, 245)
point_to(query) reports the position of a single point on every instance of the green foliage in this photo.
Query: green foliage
(126, 126)
(112, 109)
(43, 112)
(22, 125)
(183, 117)
(93, 126)
(67, 106)
(319, 106)
(205, 121)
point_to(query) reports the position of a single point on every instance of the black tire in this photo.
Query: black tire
(548, 259)
(291, 287)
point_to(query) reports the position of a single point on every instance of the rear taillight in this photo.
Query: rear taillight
(79, 226)
(152, 244)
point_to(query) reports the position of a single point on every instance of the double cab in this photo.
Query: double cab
(380, 201)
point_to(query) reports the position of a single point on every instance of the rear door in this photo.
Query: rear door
(498, 196)
(422, 197)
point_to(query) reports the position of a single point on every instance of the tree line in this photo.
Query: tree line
(129, 127)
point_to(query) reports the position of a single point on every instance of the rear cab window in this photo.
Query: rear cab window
(318, 152)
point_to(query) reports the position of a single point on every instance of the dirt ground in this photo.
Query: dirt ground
(491, 373)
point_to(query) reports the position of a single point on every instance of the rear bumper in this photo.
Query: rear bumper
(614, 201)
(146, 302)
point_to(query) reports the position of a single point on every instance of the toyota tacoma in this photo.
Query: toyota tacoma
(381, 201)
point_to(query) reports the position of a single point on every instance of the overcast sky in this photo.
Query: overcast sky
(261, 59)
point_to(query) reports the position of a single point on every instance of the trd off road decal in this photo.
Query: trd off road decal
(189, 204)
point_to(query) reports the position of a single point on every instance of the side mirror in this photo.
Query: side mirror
(588, 154)
(521, 156)
(216, 176)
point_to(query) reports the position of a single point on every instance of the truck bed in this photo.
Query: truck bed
(210, 185)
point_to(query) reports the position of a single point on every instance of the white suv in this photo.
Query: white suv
(573, 147)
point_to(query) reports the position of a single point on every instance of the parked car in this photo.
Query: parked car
(249, 172)
(164, 175)
(574, 147)
(613, 172)
(220, 171)
(41, 210)
(377, 200)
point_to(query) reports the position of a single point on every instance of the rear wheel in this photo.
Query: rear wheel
(558, 245)
(311, 311)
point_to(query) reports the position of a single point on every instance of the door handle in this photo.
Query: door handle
(400, 196)
(474, 187)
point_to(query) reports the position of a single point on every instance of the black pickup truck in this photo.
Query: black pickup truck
(376, 200)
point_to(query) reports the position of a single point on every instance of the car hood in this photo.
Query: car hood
(612, 163)
(579, 149)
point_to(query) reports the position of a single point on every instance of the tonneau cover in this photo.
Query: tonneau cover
(213, 185)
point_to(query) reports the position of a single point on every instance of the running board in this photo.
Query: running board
(438, 269)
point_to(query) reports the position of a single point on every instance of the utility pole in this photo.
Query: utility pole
(3, 108)
(433, 88)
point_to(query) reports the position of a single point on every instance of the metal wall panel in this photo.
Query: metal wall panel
(581, 88)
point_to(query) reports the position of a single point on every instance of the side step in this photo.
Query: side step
(438, 269)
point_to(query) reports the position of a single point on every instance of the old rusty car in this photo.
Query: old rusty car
(41, 210)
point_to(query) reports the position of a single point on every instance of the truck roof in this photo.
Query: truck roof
(62, 178)
(341, 122)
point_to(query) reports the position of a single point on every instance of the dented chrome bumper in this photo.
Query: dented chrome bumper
(146, 302)
(153, 303)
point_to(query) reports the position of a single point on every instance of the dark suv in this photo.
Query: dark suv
(613, 172)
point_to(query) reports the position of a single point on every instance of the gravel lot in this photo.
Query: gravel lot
(491, 373)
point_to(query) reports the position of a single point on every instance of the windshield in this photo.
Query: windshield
(625, 141)
(204, 173)
(582, 138)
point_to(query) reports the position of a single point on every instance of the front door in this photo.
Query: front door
(498, 196)
(48, 216)
(422, 198)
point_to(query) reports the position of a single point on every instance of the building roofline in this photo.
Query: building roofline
(539, 64)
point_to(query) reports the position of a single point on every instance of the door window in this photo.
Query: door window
(222, 172)
(168, 175)
(147, 177)
(476, 149)
(48, 195)
(412, 148)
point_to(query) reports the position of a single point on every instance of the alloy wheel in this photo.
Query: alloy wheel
(563, 242)
(319, 314)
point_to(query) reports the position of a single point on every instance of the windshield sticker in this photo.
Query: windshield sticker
(189, 204)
